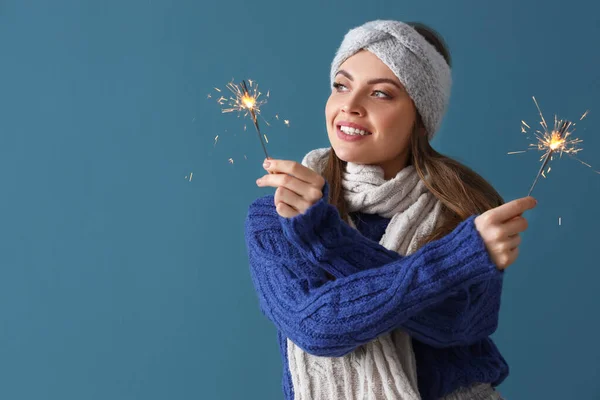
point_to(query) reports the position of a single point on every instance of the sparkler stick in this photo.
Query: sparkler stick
(246, 101)
(539, 172)
(564, 125)
(250, 102)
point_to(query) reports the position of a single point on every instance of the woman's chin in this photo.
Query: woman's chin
(349, 152)
(349, 156)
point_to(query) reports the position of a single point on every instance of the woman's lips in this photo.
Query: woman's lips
(349, 138)
(353, 125)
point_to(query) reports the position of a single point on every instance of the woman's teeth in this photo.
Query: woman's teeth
(352, 131)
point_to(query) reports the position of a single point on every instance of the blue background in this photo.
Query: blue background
(121, 278)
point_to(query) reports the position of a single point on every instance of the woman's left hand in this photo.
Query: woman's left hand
(298, 187)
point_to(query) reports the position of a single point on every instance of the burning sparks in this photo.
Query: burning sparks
(243, 100)
(246, 99)
(285, 121)
(552, 141)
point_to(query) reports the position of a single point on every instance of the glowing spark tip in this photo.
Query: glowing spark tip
(584, 115)
(552, 141)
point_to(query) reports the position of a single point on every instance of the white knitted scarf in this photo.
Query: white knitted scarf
(383, 369)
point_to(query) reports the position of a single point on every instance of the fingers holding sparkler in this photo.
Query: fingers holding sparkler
(500, 228)
(298, 187)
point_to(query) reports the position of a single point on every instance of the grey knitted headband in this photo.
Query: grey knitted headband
(417, 64)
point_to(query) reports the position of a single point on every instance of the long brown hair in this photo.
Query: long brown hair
(461, 190)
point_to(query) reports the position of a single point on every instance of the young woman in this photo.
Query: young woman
(379, 260)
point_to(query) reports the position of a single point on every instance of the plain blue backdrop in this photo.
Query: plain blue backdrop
(122, 278)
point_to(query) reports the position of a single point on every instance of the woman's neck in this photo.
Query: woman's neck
(392, 167)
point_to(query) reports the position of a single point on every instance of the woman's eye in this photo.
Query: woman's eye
(339, 86)
(383, 93)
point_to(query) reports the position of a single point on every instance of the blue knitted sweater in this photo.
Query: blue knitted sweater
(330, 288)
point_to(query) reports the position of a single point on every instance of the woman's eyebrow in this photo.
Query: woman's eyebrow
(372, 81)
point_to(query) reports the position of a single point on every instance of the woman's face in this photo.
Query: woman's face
(367, 93)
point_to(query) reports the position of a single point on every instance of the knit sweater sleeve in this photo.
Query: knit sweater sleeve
(468, 313)
(332, 318)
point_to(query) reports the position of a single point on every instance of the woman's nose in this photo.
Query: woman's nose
(352, 106)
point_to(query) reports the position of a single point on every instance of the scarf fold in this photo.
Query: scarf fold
(414, 211)
(385, 368)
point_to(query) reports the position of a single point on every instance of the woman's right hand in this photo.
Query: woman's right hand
(500, 228)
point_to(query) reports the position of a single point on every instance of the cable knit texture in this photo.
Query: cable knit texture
(350, 337)
(418, 65)
(414, 211)
(385, 367)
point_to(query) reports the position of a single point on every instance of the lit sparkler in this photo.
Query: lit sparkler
(553, 141)
(247, 102)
